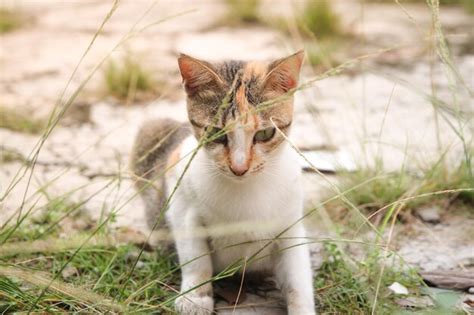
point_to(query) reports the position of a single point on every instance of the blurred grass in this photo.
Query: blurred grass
(318, 19)
(10, 20)
(242, 12)
(20, 121)
(468, 5)
(8, 155)
(325, 54)
(141, 281)
(127, 79)
(314, 19)
(320, 30)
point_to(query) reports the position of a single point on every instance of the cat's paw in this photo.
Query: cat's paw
(193, 304)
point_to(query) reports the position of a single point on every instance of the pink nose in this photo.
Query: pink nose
(239, 170)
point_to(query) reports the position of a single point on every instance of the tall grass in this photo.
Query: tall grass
(95, 273)
(38, 295)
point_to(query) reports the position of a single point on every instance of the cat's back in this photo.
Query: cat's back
(154, 144)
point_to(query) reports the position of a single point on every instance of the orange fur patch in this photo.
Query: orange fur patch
(173, 158)
(254, 68)
(241, 100)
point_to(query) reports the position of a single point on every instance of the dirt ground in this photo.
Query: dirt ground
(345, 112)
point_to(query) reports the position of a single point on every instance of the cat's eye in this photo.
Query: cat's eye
(264, 135)
(216, 135)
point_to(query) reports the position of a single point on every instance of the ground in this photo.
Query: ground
(381, 111)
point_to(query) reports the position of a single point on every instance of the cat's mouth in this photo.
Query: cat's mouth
(229, 174)
(236, 176)
(238, 173)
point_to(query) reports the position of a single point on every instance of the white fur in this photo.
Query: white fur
(238, 154)
(270, 199)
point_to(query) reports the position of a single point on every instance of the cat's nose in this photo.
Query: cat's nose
(239, 161)
(239, 170)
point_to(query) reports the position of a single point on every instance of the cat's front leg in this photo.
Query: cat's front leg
(196, 264)
(294, 274)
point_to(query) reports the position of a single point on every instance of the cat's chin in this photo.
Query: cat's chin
(239, 179)
(232, 177)
(235, 178)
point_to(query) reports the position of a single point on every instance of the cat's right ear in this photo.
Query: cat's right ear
(284, 73)
(197, 75)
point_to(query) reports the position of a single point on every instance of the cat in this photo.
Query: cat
(244, 179)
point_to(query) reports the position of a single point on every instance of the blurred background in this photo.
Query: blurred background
(385, 108)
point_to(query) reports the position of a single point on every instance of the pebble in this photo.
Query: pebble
(429, 214)
(69, 272)
(398, 288)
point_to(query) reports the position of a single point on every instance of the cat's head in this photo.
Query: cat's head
(237, 105)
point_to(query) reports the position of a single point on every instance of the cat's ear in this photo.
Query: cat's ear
(283, 74)
(197, 74)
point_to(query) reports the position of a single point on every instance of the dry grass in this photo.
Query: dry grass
(143, 282)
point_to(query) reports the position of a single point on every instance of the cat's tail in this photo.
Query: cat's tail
(154, 143)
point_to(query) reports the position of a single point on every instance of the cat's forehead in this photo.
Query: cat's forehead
(228, 70)
(234, 71)
(244, 80)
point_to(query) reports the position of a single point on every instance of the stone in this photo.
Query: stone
(415, 302)
(429, 214)
(77, 114)
(398, 288)
(69, 271)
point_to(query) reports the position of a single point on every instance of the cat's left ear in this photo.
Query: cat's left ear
(283, 74)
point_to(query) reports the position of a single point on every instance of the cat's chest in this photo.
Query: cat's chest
(272, 195)
(264, 201)
(255, 247)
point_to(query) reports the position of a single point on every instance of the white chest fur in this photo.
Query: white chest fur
(241, 216)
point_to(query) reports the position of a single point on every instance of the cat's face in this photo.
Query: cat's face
(240, 108)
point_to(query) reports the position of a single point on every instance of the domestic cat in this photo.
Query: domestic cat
(232, 169)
